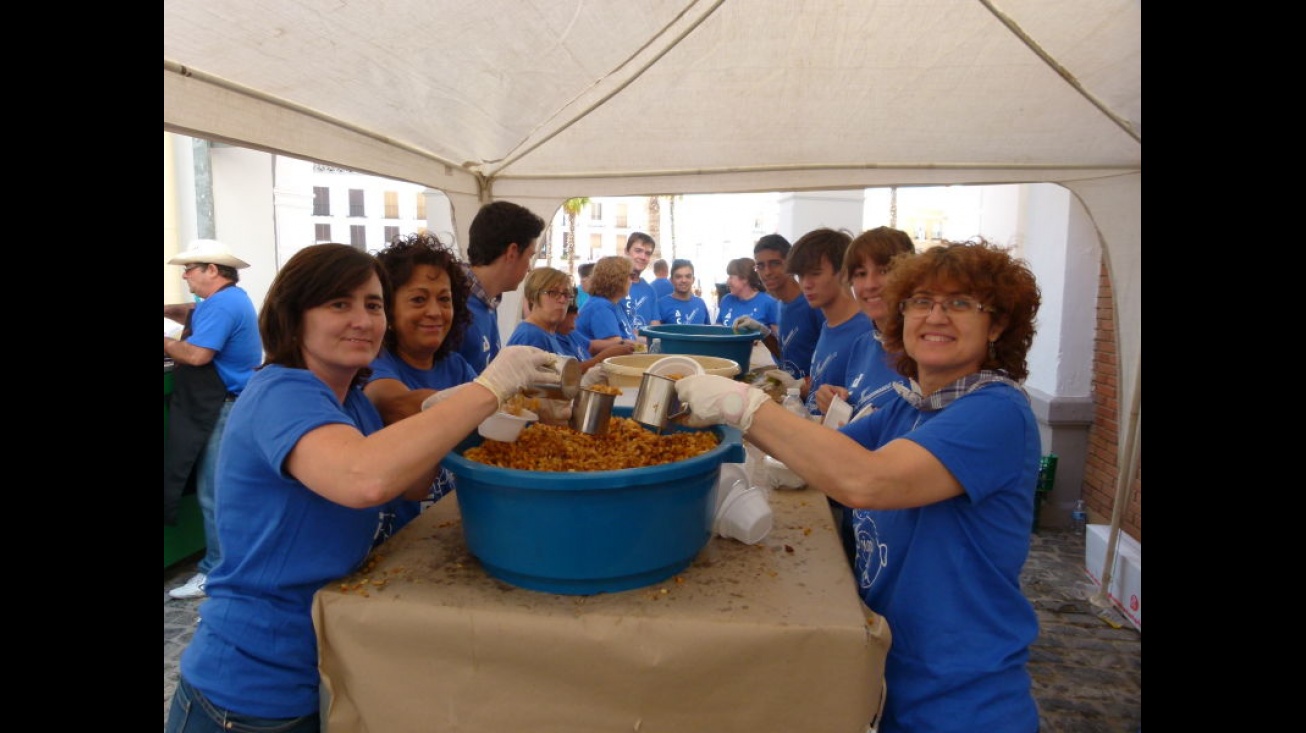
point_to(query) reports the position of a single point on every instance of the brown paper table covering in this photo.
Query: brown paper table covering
(767, 637)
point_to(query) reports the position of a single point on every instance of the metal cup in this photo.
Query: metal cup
(569, 372)
(657, 403)
(592, 411)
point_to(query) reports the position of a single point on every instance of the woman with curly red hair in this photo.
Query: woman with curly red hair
(942, 485)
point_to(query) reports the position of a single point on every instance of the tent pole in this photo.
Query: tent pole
(1124, 487)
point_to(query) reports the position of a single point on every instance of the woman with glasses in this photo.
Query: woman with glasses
(427, 315)
(548, 294)
(942, 483)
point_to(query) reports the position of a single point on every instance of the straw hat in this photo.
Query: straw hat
(210, 251)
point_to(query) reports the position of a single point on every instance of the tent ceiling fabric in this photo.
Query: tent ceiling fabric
(540, 100)
(500, 90)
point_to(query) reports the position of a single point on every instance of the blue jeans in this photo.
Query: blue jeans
(206, 491)
(191, 712)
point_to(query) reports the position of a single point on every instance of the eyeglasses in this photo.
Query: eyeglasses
(194, 265)
(557, 294)
(952, 306)
(764, 265)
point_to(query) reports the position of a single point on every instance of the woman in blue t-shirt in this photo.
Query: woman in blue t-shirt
(304, 467)
(427, 315)
(746, 297)
(548, 294)
(942, 479)
(602, 321)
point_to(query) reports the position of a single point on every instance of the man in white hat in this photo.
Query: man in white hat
(214, 358)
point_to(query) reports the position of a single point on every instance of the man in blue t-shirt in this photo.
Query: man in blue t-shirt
(800, 323)
(682, 306)
(662, 284)
(213, 360)
(500, 249)
(642, 302)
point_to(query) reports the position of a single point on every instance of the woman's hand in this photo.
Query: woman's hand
(517, 367)
(826, 393)
(713, 399)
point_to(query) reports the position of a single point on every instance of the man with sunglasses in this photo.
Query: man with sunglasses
(214, 358)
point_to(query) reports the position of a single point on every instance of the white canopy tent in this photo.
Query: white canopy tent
(538, 101)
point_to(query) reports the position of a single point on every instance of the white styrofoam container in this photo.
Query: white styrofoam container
(1126, 590)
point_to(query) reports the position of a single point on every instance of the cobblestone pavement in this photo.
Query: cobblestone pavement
(1087, 663)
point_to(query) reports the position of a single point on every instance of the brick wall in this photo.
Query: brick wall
(1101, 469)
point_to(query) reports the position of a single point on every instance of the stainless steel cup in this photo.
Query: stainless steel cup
(657, 403)
(570, 373)
(592, 411)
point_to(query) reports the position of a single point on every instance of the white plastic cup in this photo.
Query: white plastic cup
(780, 476)
(745, 515)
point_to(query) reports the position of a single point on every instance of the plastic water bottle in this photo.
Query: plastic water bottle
(793, 402)
(1079, 516)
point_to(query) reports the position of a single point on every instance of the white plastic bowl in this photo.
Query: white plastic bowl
(628, 371)
(675, 366)
(504, 427)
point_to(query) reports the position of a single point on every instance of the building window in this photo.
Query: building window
(596, 247)
(391, 205)
(621, 216)
(356, 202)
(322, 233)
(321, 201)
(358, 236)
(421, 205)
(596, 211)
(391, 234)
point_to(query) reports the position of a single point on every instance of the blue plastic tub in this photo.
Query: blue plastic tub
(590, 532)
(720, 341)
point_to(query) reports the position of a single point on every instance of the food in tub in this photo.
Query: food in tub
(627, 444)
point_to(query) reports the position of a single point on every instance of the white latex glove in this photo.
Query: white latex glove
(517, 367)
(440, 396)
(746, 323)
(713, 399)
(595, 375)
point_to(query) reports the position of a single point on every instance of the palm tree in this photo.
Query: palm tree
(671, 213)
(572, 207)
(655, 223)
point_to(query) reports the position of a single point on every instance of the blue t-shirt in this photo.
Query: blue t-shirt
(641, 304)
(529, 334)
(870, 374)
(674, 310)
(761, 307)
(481, 342)
(800, 326)
(600, 318)
(830, 358)
(227, 323)
(663, 287)
(574, 344)
(946, 576)
(255, 650)
(450, 371)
